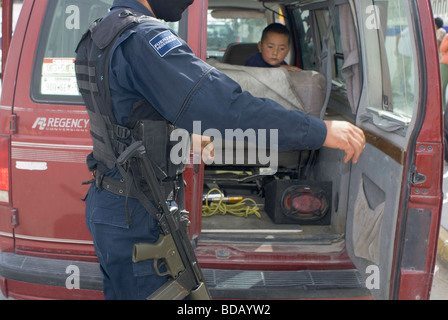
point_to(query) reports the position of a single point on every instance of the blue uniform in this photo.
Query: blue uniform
(151, 62)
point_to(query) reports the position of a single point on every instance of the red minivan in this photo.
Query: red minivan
(325, 229)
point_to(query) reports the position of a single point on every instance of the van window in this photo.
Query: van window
(226, 27)
(400, 55)
(307, 49)
(339, 53)
(305, 40)
(394, 58)
(54, 78)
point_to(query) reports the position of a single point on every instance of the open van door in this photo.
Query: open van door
(395, 191)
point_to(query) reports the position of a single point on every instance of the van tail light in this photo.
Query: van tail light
(4, 170)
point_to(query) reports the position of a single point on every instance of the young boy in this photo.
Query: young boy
(273, 49)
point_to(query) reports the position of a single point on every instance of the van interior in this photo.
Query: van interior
(311, 202)
(301, 203)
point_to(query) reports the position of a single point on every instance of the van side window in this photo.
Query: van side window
(308, 51)
(54, 78)
(306, 45)
(328, 44)
(339, 52)
(225, 27)
(394, 59)
(400, 55)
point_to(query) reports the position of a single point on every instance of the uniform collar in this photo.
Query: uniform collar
(132, 4)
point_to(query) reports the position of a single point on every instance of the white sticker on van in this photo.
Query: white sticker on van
(61, 124)
(32, 166)
(59, 77)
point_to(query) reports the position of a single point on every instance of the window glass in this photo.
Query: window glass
(308, 54)
(224, 30)
(54, 78)
(305, 40)
(401, 56)
(339, 53)
(391, 58)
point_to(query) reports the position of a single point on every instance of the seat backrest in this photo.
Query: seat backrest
(238, 53)
(304, 91)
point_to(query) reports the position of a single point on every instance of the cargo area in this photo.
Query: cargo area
(249, 221)
(246, 207)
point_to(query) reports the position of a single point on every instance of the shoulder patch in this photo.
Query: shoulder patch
(164, 42)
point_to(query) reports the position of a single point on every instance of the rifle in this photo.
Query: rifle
(173, 248)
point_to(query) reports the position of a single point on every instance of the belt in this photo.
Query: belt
(118, 187)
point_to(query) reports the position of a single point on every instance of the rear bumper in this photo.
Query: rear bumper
(49, 272)
(223, 284)
(286, 285)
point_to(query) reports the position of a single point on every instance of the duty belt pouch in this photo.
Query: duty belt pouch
(168, 157)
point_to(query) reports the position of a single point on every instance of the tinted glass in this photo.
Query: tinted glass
(223, 31)
(392, 59)
(54, 79)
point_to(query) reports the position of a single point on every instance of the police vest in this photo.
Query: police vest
(110, 139)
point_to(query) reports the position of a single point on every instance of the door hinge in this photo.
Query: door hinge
(13, 124)
(417, 177)
(14, 218)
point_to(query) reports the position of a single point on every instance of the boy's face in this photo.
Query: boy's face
(274, 48)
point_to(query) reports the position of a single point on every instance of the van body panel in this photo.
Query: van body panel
(12, 64)
(426, 198)
(419, 152)
(384, 210)
(7, 119)
(49, 139)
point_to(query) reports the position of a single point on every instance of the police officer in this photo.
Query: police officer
(151, 63)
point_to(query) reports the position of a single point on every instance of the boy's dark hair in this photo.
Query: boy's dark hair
(275, 28)
(439, 22)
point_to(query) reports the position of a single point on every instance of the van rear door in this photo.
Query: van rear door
(7, 123)
(395, 192)
(51, 142)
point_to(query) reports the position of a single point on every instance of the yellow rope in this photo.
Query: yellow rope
(240, 209)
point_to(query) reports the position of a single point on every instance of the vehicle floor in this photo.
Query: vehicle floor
(262, 229)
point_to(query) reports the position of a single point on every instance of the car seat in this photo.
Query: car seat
(238, 53)
(303, 91)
